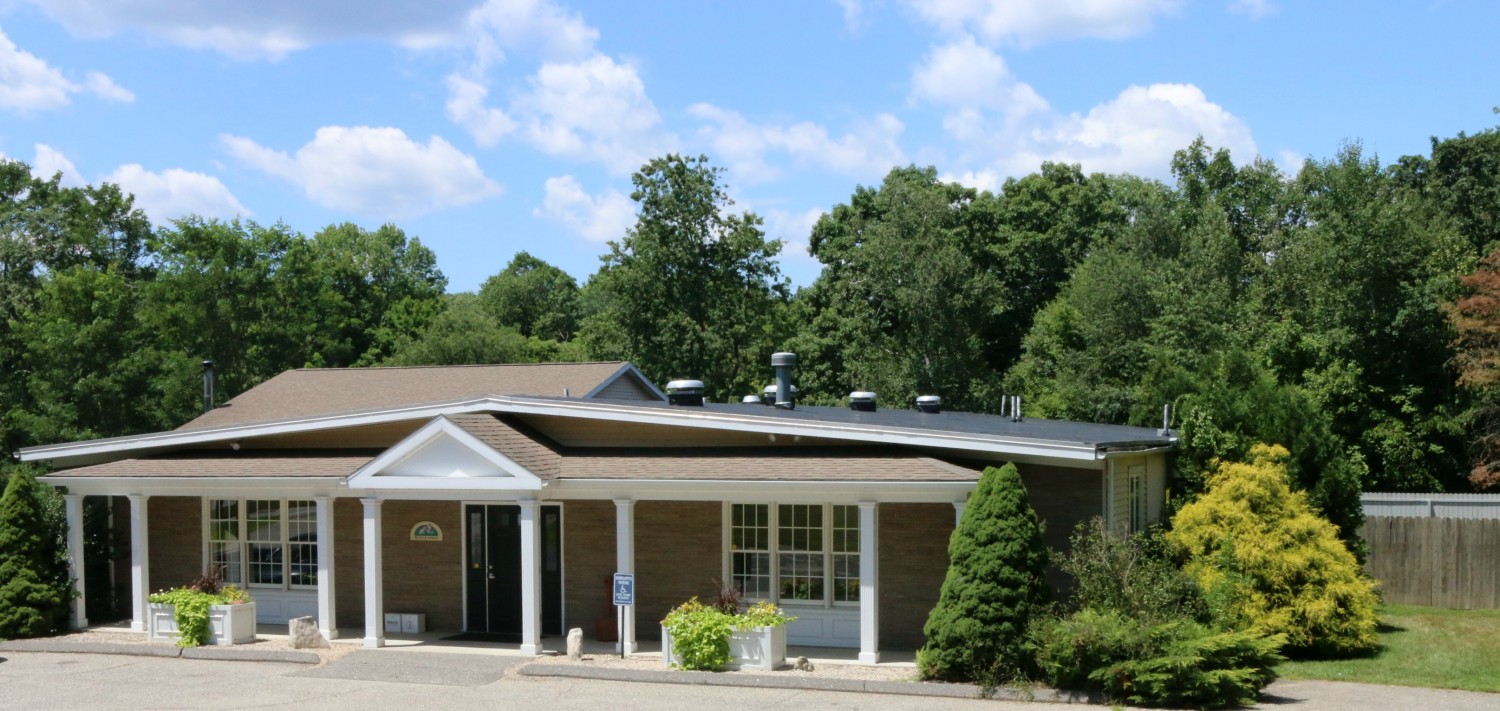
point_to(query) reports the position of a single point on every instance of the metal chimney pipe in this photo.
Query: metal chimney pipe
(1166, 420)
(1015, 408)
(208, 385)
(1004, 405)
(783, 363)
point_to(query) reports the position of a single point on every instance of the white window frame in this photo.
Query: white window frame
(1138, 497)
(285, 541)
(773, 524)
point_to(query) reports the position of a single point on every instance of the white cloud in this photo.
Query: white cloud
(967, 76)
(268, 29)
(1031, 22)
(175, 193)
(595, 109)
(50, 161)
(599, 218)
(793, 228)
(1139, 130)
(536, 26)
(376, 172)
(1290, 162)
(869, 150)
(27, 83)
(466, 108)
(979, 180)
(106, 88)
(854, 13)
(1255, 9)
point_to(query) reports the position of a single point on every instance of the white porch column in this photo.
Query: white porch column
(625, 563)
(73, 504)
(327, 607)
(140, 563)
(531, 580)
(869, 581)
(374, 577)
(958, 512)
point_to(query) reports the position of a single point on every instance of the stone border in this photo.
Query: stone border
(810, 683)
(150, 650)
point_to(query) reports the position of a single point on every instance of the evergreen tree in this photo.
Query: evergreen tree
(1278, 567)
(31, 601)
(995, 584)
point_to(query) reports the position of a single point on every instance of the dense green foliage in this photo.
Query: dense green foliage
(1278, 565)
(1142, 632)
(34, 586)
(993, 587)
(190, 607)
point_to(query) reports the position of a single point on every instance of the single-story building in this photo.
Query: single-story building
(500, 499)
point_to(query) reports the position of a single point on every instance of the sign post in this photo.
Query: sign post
(624, 589)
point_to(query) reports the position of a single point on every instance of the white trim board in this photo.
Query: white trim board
(443, 456)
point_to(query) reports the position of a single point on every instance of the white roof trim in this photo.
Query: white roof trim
(371, 476)
(586, 409)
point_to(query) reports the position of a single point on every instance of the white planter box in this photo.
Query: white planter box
(227, 624)
(759, 648)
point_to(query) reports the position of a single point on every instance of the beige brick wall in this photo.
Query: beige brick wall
(175, 534)
(1061, 497)
(349, 566)
(424, 576)
(678, 548)
(913, 541)
(588, 562)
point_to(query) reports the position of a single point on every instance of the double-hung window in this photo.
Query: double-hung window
(264, 543)
(795, 553)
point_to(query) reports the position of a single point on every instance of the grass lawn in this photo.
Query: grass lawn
(1421, 646)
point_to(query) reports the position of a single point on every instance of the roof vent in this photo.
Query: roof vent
(786, 393)
(208, 385)
(750, 400)
(685, 392)
(768, 395)
(930, 404)
(862, 400)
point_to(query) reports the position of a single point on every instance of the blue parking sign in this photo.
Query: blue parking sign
(624, 588)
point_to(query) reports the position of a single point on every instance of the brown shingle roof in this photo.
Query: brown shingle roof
(523, 445)
(324, 391)
(245, 463)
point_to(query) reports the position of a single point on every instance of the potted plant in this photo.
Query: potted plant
(709, 638)
(205, 611)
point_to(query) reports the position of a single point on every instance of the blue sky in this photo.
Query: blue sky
(486, 127)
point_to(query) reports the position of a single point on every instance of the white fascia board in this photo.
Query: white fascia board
(1117, 453)
(368, 476)
(595, 410)
(223, 487)
(852, 492)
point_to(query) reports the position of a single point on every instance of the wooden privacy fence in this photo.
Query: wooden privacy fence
(1437, 562)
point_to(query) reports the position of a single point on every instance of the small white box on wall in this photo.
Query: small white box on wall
(392, 622)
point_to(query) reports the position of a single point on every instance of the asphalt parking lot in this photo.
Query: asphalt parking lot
(383, 680)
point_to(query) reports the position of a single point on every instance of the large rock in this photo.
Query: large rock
(305, 634)
(575, 643)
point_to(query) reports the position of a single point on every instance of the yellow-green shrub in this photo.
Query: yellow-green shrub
(1272, 563)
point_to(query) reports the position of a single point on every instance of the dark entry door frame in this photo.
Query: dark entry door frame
(492, 586)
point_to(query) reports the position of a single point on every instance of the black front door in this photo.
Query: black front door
(492, 567)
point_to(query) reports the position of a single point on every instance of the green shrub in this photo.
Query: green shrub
(34, 589)
(1177, 662)
(1275, 565)
(994, 586)
(1131, 575)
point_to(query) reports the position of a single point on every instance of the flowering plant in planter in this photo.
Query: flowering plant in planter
(699, 635)
(191, 603)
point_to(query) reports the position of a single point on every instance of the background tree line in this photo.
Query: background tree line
(1340, 312)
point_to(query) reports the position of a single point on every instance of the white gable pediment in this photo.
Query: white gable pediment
(441, 455)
